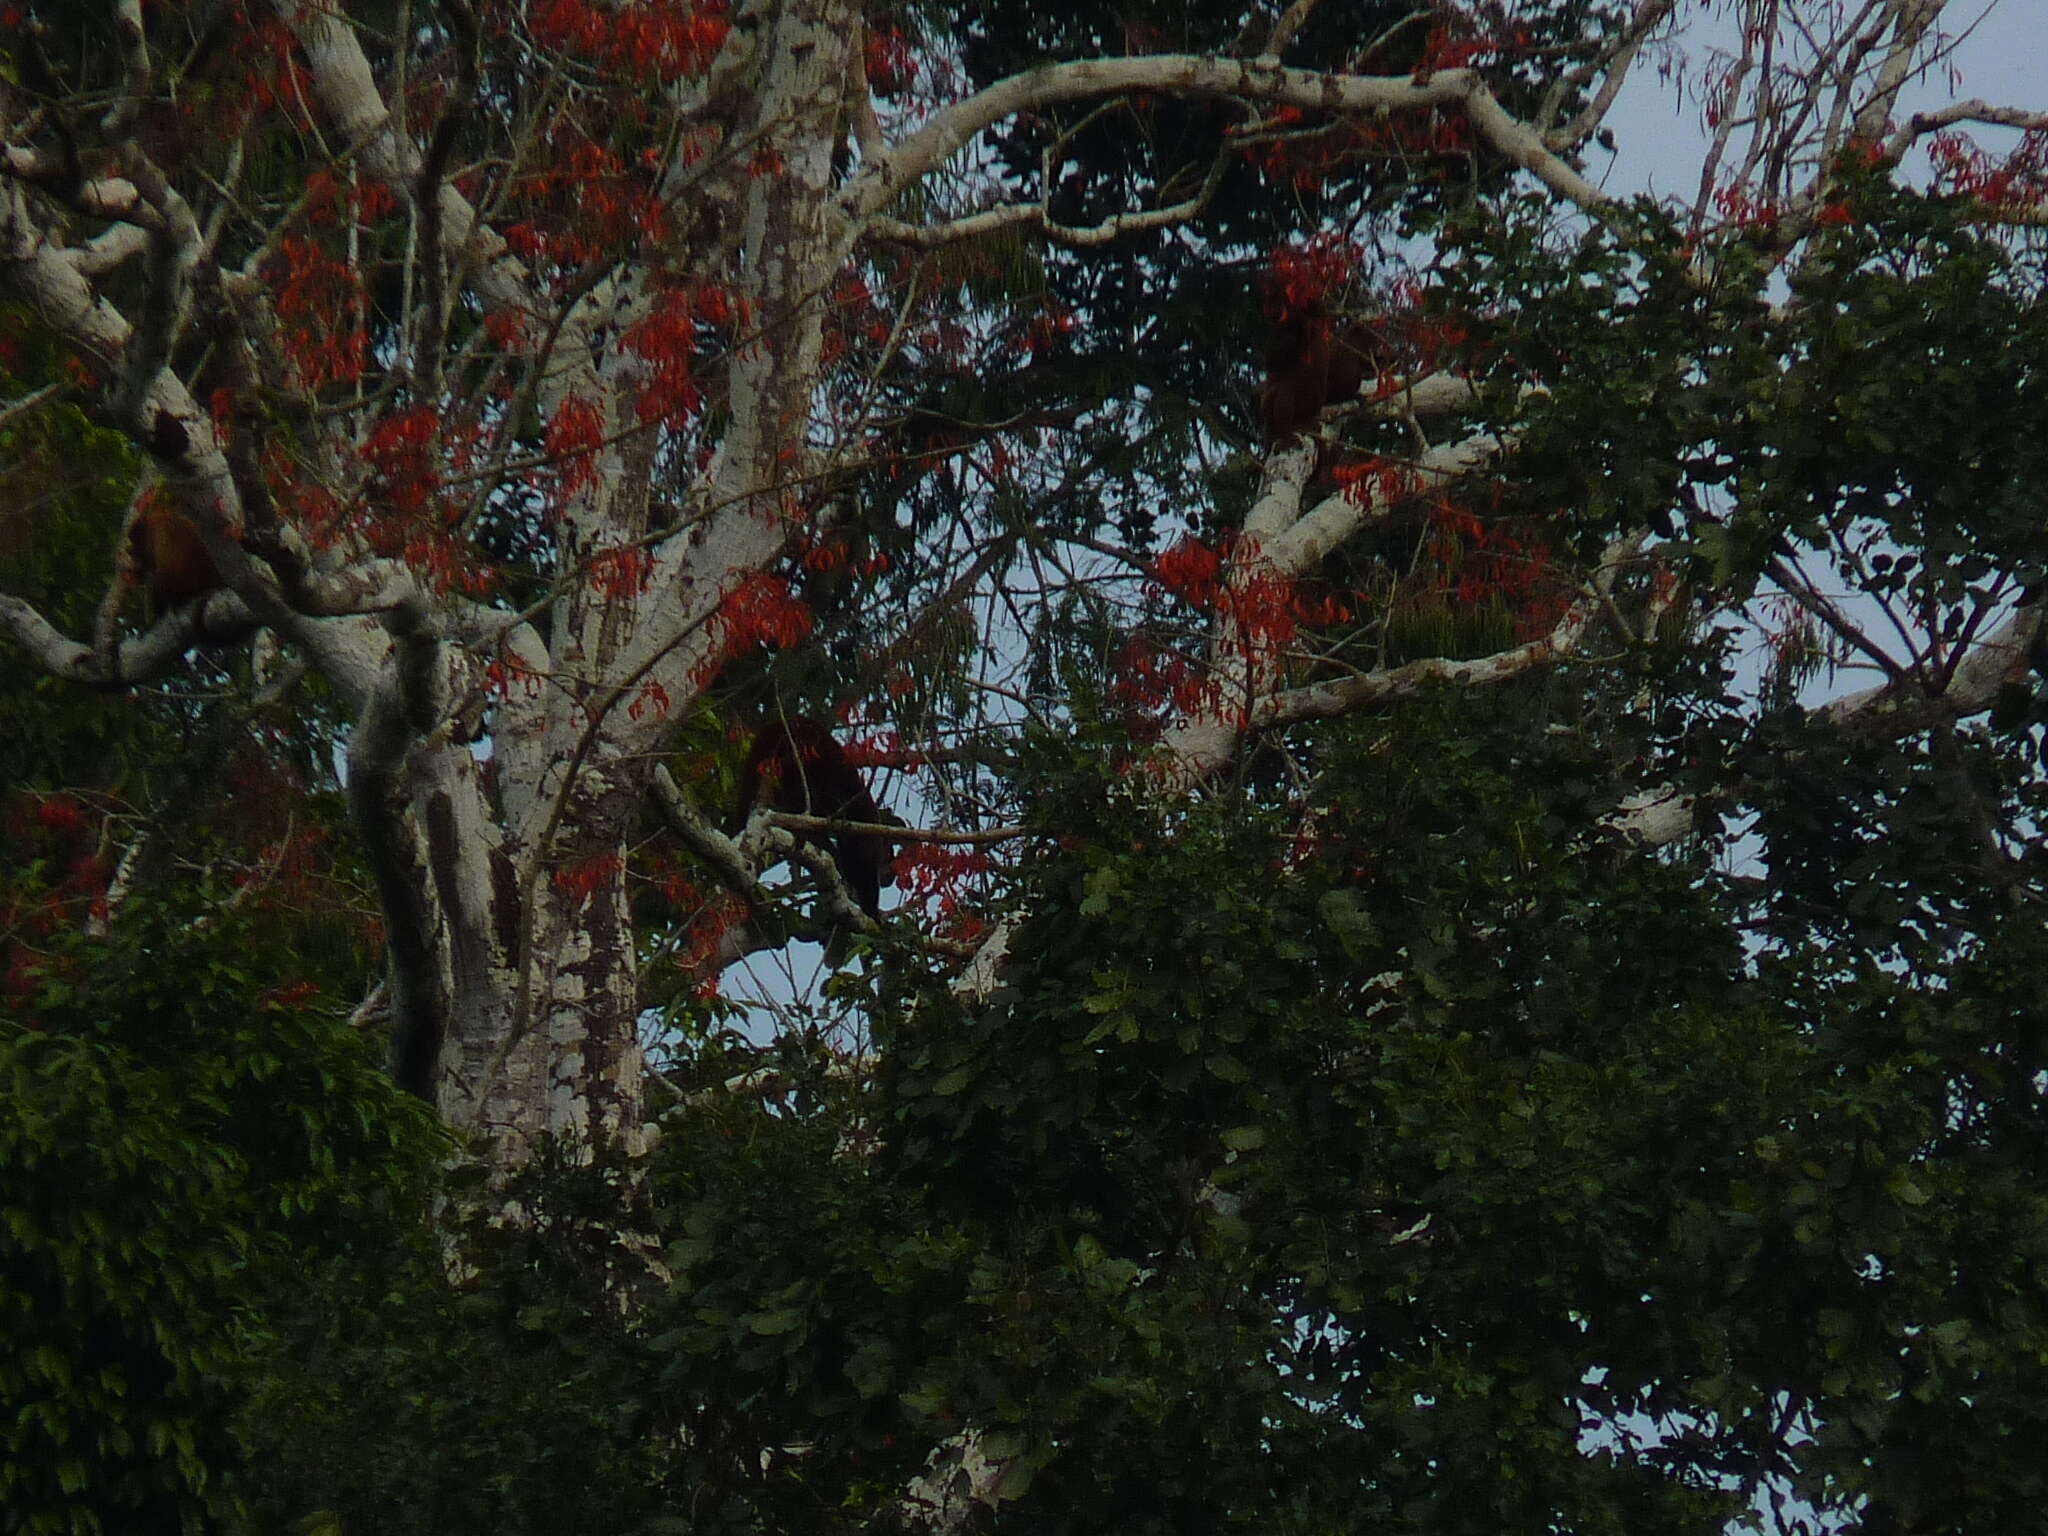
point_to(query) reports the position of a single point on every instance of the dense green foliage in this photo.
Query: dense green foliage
(1376, 1196)
(180, 1147)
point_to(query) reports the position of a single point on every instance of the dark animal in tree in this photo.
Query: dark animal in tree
(802, 771)
(170, 557)
(1312, 363)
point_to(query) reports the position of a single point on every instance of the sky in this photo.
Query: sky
(1659, 134)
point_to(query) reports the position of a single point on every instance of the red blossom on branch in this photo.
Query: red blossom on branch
(1964, 169)
(826, 554)
(1265, 606)
(1190, 570)
(320, 311)
(658, 41)
(508, 326)
(1739, 206)
(761, 609)
(1304, 154)
(890, 61)
(400, 449)
(621, 572)
(1150, 678)
(1460, 42)
(62, 815)
(1505, 561)
(508, 672)
(1051, 330)
(666, 340)
(652, 696)
(573, 438)
(291, 996)
(1301, 278)
(584, 877)
(1376, 482)
(1260, 601)
(703, 944)
(273, 80)
(939, 879)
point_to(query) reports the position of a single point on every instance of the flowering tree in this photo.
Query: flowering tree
(504, 358)
(1250, 441)
(494, 360)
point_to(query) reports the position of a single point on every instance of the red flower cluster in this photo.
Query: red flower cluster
(1964, 169)
(1505, 561)
(761, 609)
(1738, 207)
(273, 80)
(586, 209)
(621, 572)
(652, 696)
(1190, 570)
(52, 875)
(400, 448)
(405, 513)
(573, 438)
(1461, 44)
(703, 943)
(666, 340)
(938, 878)
(655, 41)
(1150, 678)
(1302, 277)
(508, 671)
(583, 878)
(320, 310)
(1266, 607)
(1375, 482)
(890, 61)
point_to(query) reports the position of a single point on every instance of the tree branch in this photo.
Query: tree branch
(950, 129)
(139, 659)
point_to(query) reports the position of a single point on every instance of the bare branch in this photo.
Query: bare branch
(706, 841)
(1972, 111)
(1610, 68)
(1899, 708)
(1342, 696)
(1039, 215)
(29, 402)
(949, 130)
(139, 659)
(134, 48)
(895, 832)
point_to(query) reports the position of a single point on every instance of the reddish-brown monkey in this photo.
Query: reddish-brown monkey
(170, 556)
(801, 770)
(1312, 364)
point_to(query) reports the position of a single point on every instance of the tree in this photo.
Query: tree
(1410, 953)
(172, 1131)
